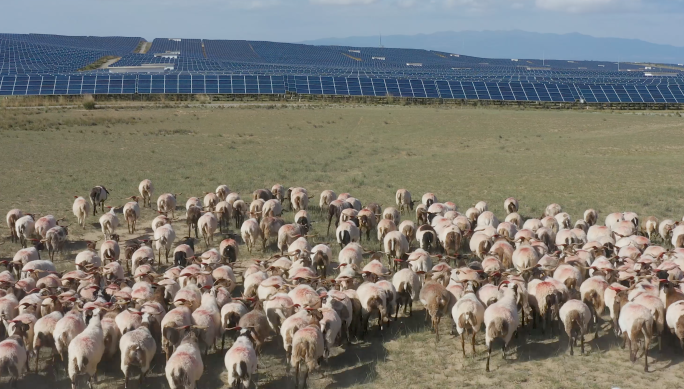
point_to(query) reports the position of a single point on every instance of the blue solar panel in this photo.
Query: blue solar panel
(37, 64)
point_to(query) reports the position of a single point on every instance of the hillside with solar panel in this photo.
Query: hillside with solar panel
(37, 64)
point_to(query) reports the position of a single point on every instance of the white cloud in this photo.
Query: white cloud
(585, 6)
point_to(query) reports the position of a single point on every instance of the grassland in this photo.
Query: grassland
(607, 161)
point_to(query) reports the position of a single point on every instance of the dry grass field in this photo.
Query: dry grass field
(604, 160)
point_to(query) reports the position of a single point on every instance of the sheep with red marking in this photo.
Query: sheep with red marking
(86, 349)
(241, 360)
(173, 327)
(13, 355)
(185, 367)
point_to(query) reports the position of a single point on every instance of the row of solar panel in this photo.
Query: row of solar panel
(226, 84)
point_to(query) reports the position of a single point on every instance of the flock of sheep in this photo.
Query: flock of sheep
(119, 299)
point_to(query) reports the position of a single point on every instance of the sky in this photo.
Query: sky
(657, 21)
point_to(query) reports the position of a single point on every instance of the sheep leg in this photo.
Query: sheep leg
(296, 377)
(632, 355)
(463, 342)
(503, 352)
(472, 342)
(647, 343)
(624, 340)
(571, 343)
(37, 356)
(582, 342)
(436, 326)
(489, 356)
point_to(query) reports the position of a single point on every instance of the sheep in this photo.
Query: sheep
(354, 203)
(450, 238)
(407, 285)
(110, 250)
(131, 211)
(426, 236)
(335, 209)
(511, 205)
(272, 207)
(307, 348)
(385, 226)
(250, 232)
(657, 308)
(208, 316)
(373, 299)
(146, 190)
(351, 254)
(207, 225)
(436, 300)
(525, 257)
(592, 293)
(241, 360)
(225, 212)
(230, 317)
(109, 223)
(665, 228)
(428, 199)
(55, 239)
(210, 200)
(173, 326)
(167, 203)
(194, 202)
(331, 327)
(575, 316)
(675, 320)
(13, 355)
(392, 214)
(86, 349)
(222, 192)
(408, 228)
(269, 227)
(501, 319)
(347, 232)
(98, 196)
(257, 320)
(635, 320)
(24, 228)
(164, 238)
(44, 330)
(544, 300)
(396, 246)
(185, 367)
(327, 197)
(321, 255)
(404, 201)
(229, 250)
(468, 314)
(487, 218)
(137, 349)
(262, 194)
(299, 200)
(42, 225)
(15, 214)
